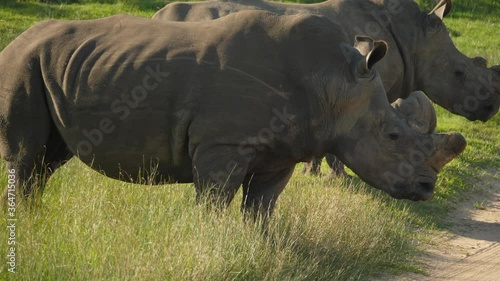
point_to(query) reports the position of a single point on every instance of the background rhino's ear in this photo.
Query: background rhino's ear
(442, 9)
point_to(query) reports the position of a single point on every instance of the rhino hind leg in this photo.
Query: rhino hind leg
(29, 141)
(56, 153)
(36, 162)
(313, 167)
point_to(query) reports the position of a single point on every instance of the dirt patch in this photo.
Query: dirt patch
(470, 250)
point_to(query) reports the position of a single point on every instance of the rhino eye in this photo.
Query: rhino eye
(434, 23)
(460, 75)
(394, 136)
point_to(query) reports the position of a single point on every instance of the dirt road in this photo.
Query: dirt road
(471, 249)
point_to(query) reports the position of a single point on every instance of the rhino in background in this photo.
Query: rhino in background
(419, 113)
(218, 114)
(421, 53)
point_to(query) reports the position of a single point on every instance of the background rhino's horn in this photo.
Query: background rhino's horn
(447, 147)
(442, 9)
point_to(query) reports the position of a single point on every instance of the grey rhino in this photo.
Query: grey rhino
(194, 102)
(419, 113)
(421, 53)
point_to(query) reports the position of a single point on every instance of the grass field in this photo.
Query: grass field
(89, 227)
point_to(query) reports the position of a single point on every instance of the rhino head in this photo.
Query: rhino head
(472, 90)
(379, 143)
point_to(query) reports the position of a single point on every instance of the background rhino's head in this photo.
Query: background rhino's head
(379, 143)
(460, 84)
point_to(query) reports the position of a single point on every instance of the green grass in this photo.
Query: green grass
(93, 228)
(89, 227)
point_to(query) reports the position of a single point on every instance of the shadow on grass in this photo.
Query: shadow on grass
(62, 9)
(489, 231)
(432, 212)
(37, 10)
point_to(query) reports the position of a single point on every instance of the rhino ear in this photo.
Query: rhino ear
(364, 44)
(376, 54)
(373, 51)
(442, 9)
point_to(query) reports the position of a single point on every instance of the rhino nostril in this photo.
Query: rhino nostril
(426, 190)
(461, 76)
(427, 186)
(488, 108)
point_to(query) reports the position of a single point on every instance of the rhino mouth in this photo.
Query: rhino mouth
(484, 113)
(425, 191)
(421, 190)
(489, 111)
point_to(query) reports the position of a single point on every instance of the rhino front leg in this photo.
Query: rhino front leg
(218, 172)
(260, 192)
(313, 167)
(336, 169)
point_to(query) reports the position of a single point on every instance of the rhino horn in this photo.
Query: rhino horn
(447, 147)
(442, 9)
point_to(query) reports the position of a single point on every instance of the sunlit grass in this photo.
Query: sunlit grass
(93, 228)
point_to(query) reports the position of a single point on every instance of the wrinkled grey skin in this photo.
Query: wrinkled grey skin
(421, 54)
(190, 102)
(419, 113)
